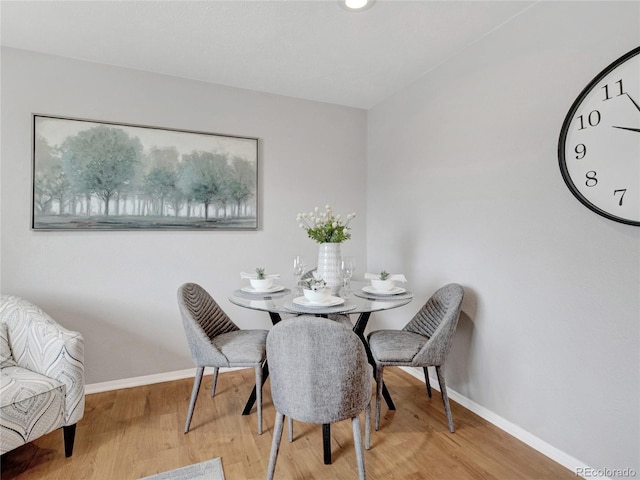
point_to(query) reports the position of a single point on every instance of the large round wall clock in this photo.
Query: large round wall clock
(599, 148)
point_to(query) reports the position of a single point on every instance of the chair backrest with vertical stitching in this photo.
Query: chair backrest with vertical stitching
(203, 320)
(437, 320)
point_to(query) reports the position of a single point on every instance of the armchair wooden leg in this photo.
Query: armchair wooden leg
(69, 434)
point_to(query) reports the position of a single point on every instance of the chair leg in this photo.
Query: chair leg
(275, 444)
(259, 396)
(69, 434)
(290, 422)
(426, 380)
(215, 381)
(357, 443)
(367, 426)
(194, 396)
(445, 397)
(379, 386)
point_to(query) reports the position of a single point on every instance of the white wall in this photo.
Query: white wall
(119, 288)
(549, 338)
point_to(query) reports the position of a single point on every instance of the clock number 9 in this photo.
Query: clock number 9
(593, 119)
(592, 181)
(581, 151)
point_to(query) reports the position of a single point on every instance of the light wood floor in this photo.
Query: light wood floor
(135, 432)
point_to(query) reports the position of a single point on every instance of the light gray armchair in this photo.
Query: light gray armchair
(319, 374)
(42, 376)
(215, 341)
(423, 342)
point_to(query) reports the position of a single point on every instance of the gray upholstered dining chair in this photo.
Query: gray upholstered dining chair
(423, 342)
(319, 374)
(215, 341)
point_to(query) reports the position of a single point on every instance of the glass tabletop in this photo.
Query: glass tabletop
(360, 298)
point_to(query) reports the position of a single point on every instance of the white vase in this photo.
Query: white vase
(329, 256)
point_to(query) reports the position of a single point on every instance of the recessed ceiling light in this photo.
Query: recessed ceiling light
(356, 4)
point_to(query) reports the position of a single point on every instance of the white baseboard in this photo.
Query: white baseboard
(145, 380)
(534, 442)
(567, 461)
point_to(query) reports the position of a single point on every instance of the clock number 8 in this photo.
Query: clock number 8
(592, 181)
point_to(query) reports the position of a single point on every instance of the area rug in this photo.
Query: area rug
(209, 470)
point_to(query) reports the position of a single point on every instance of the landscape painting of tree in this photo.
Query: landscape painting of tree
(104, 176)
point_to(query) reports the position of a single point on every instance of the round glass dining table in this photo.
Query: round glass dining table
(359, 299)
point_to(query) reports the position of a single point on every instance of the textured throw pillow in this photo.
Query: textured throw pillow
(6, 358)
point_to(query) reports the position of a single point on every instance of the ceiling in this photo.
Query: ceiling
(315, 50)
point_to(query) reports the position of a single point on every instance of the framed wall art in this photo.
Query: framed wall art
(93, 175)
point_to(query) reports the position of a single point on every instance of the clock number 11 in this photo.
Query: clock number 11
(619, 89)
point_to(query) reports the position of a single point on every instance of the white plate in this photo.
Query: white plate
(304, 301)
(393, 291)
(271, 289)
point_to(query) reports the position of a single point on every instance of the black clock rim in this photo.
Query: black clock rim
(563, 137)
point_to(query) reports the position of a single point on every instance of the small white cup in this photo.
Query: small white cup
(382, 285)
(317, 296)
(261, 285)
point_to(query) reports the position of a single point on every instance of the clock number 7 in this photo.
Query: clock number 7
(622, 191)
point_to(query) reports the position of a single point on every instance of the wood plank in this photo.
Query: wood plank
(135, 432)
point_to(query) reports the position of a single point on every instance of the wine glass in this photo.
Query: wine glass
(298, 268)
(347, 266)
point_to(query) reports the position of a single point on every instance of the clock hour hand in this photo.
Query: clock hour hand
(628, 128)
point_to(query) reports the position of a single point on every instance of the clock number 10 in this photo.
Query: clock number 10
(592, 120)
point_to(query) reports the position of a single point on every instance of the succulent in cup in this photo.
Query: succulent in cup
(260, 272)
(314, 284)
(384, 275)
